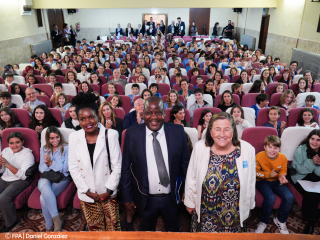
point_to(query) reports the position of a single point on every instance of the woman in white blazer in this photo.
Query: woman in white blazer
(89, 166)
(220, 182)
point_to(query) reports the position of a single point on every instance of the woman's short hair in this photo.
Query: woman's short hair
(15, 135)
(221, 116)
(175, 109)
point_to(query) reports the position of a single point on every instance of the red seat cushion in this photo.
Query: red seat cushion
(259, 200)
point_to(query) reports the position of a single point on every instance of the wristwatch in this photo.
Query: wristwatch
(109, 191)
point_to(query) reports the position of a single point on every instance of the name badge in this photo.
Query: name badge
(245, 164)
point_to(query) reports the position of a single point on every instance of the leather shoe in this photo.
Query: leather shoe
(129, 226)
(309, 229)
(8, 229)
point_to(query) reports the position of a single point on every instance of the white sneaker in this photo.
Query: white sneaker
(261, 227)
(282, 226)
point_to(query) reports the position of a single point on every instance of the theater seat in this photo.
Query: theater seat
(64, 197)
(224, 87)
(274, 99)
(126, 102)
(56, 114)
(120, 113)
(69, 89)
(22, 86)
(60, 79)
(186, 117)
(17, 99)
(76, 201)
(31, 141)
(262, 117)
(193, 134)
(104, 89)
(178, 87)
(163, 88)
(40, 79)
(236, 99)
(128, 89)
(22, 116)
(294, 115)
(197, 114)
(46, 88)
(249, 99)
(249, 115)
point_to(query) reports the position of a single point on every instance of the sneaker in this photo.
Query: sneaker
(282, 226)
(261, 227)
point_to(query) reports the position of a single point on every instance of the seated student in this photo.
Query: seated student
(85, 87)
(5, 98)
(233, 72)
(199, 103)
(238, 115)
(112, 90)
(62, 103)
(51, 61)
(287, 101)
(109, 119)
(310, 100)
(135, 88)
(262, 102)
(218, 79)
(9, 79)
(237, 89)
(244, 77)
(154, 89)
(16, 89)
(58, 88)
(71, 77)
(286, 77)
(178, 79)
(199, 80)
(253, 72)
(209, 88)
(14, 161)
(185, 91)
(146, 93)
(302, 86)
(262, 65)
(204, 121)
(95, 79)
(172, 99)
(8, 119)
(273, 115)
(42, 118)
(306, 119)
(244, 64)
(116, 102)
(134, 118)
(177, 115)
(279, 88)
(306, 162)
(226, 101)
(257, 87)
(71, 122)
(53, 157)
(223, 65)
(271, 169)
(52, 79)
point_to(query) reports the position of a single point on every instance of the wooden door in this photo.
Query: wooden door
(55, 16)
(201, 17)
(264, 32)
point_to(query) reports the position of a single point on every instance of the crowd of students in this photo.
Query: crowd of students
(147, 63)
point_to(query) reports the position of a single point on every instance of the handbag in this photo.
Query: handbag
(53, 176)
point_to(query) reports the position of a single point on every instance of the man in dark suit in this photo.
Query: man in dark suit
(139, 30)
(154, 166)
(133, 119)
(56, 37)
(152, 23)
(181, 27)
(172, 29)
(119, 31)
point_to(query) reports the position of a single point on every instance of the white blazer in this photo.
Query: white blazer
(197, 171)
(98, 178)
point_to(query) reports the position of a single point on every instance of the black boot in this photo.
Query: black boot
(129, 226)
(8, 229)
(309, 229)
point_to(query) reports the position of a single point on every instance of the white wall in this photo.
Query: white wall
(109, 18)
(13, 24)
(222, 15)
(254, 18)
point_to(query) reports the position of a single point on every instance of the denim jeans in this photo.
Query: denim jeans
(268, 189)
(49, 192)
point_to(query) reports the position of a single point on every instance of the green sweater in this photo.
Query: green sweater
(303, 164)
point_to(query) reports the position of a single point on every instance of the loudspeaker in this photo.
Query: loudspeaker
(71, 11)
(237, 10)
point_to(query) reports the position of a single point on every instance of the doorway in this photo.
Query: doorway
(264, 32)
(55, 16)
(201, 17)
(156, 18)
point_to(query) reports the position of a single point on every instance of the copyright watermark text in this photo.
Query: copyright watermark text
(35, 236)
